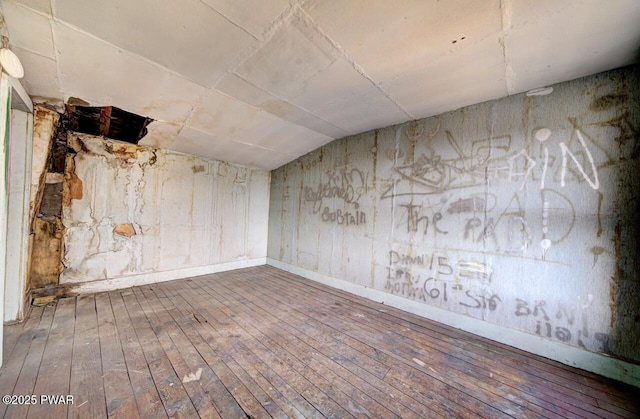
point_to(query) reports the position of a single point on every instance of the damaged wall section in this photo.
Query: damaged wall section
(130, 210)
(46, 244)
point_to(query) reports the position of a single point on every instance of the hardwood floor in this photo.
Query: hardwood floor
(260, 342)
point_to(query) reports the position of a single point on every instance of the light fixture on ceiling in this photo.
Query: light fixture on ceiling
(11, 63)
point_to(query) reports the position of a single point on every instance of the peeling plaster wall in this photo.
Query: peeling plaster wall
(130, 210)
(45, 122)
(520, 212)
(46, 229)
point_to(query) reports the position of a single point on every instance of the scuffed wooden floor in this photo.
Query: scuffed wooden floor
(260, 342)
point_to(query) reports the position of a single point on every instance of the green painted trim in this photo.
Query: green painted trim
(7, 138)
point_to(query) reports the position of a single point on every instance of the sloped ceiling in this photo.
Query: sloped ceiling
(260, 83)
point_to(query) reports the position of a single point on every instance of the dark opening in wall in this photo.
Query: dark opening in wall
(107, 121)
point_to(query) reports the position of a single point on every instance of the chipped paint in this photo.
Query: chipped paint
(45, 122)
(132, 210)
(45, 242)
(72, 185)
(124, 230)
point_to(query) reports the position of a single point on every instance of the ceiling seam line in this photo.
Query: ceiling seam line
(275, 26)
(229, 19)
(48, 17)
(193, 109)
(208, 89)
(249, 144)
(142, 57)
(506, 12)
(195, 106)
(36, 11)
(264, 37)
(287, 101)
(345, 55)
(256, 109)
(35, 52)
(55, 48)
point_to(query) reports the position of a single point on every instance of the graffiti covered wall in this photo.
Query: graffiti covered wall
(519, 212)
(130, 210)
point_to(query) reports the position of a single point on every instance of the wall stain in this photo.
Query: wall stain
(597, 251)
(600, 229)
(122, 151)
(72, 185)
(46, 253)
(375, 150)
(615, 279)
(607, 102)
(77, 144)
(153, 159)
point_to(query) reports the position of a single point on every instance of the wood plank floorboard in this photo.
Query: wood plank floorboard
(260, 342)
(434, 357)
(18, 376)
(145, 392)
(87, 376)
(231, 353)
(54, 374)
(455, 358)
(118, 391)
(551, 377)
(10, 338)
(173, 395)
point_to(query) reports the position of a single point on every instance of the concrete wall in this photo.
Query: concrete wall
(516, 213)
(136, 214)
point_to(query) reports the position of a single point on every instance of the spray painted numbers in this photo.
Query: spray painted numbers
(429, 277)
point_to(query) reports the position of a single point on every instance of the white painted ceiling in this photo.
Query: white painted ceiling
(262, 82)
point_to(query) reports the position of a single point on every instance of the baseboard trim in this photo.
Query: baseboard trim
(111, 284)
(597, 363)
